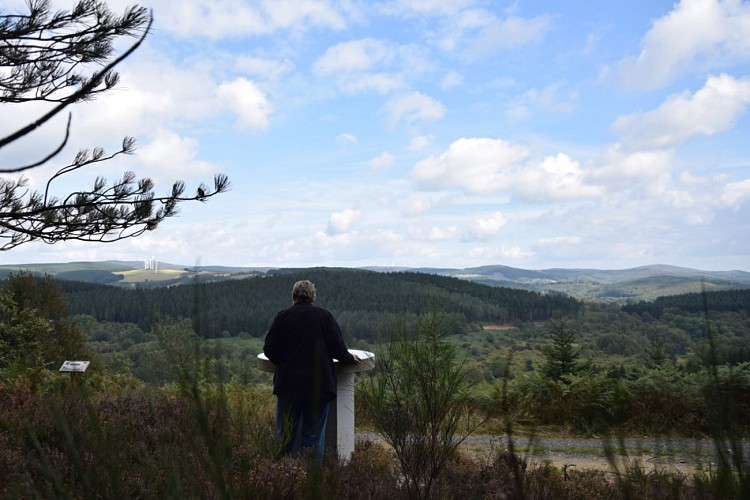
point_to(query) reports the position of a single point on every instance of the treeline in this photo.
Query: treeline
(718, 301)
(90, 275)
(365, 303)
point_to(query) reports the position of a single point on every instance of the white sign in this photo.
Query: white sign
(75, 366)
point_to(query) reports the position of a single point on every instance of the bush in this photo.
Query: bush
(136, 442)
(418, 401)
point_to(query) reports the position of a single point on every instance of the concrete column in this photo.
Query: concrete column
(340, 426)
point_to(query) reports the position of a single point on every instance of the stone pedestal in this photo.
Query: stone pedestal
(340, 427)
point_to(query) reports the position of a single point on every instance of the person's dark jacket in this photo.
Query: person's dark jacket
(302, 342)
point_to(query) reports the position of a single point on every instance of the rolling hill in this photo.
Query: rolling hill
(623, 285)
(639, 283)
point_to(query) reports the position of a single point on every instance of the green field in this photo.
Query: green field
(141, 275)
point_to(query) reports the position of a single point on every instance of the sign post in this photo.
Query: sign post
(75, 366)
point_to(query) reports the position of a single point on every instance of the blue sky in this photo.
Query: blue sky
(443, 133)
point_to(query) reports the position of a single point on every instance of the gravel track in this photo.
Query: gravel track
(683, 454)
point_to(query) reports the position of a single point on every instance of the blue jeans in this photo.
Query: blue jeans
(293, 410)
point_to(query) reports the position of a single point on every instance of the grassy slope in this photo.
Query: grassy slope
(54, 268)
(141, 275)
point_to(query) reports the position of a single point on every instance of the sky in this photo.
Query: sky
(426, 133)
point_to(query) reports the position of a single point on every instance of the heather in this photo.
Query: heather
(112, 437)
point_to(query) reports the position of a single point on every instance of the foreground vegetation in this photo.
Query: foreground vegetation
(167, 413)
(114, 437)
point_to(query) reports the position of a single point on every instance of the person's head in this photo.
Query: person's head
(303, 291)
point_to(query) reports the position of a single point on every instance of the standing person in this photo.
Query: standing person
(302, 342)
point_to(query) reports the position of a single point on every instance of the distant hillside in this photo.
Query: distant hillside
(625, 285)
(639, 283)
(368, 303)
(131, 274)
(55, 269)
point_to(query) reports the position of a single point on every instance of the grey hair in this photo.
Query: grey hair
(303, 290)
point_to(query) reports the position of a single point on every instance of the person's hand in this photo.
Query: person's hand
(356, 358)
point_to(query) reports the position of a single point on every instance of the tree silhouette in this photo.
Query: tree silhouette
(44, 57)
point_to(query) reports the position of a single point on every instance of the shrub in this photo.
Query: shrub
(418, 402)
(138, 442)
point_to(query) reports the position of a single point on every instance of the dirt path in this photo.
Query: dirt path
(678, 454)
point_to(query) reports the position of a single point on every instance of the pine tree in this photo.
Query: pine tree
(562, 354)
(46, 57)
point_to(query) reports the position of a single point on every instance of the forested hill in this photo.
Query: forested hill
(727, 300)
(366, 303)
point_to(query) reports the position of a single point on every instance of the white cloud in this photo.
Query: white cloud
(382, 83)
(451, 80)
(557, 241)
(426, 7)
(346, 138)
(169, 157)
(555, 178)
(592, 42)
(710, 110)
(476, 165)
(384, 160)
(502, 34)
(418, 206)
(329, 239)
(304, 14)
(131, 112)
(493, 254)
(247, 101)
(371, 64)
(263, 68)
(442, 233)
(420, 142)
(166, 246)
(451, 34)
(38, 144)
(420, 203)
(413, 107)
(231, 18)
(623, 171)
(213, 19)
(354, 56)
(503, 83)
(154, 91)
(708, 33)
(551, 98)
(341, 222)
(517, 111)
(473, 28)
(486, 227)
(489, 166)
(735, 193)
